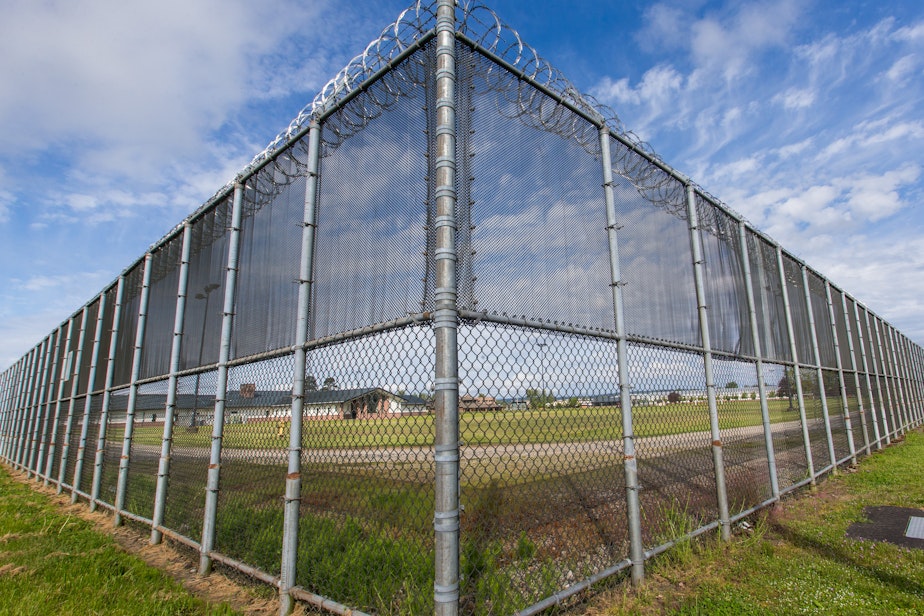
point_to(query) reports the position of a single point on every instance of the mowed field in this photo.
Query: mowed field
(549, 425)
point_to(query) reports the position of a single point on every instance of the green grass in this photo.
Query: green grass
(52, 562)
(798, 559)
(552, 425)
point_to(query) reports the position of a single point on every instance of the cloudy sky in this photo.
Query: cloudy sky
(118, 119)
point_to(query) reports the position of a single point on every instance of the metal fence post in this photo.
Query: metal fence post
(6, 380)
(91, 379)
(888, 374)
(224, 355)
(163, 468)
(35, 440)
(107, 395)
(899, 378)
(306, 277)
(122, 485)
(37, 398)
(22, 388)
(15, 388)
(886, 399)
(75, 385)
(916, 376)
(856, 375)
(886, 432)
(446, 322)
(53, 377)
(630, 463)
(820, 373)
(717, 457)
(911, 386)
(24, 396)
(918, 361)
(63, 371)
(869, 384)
(755, 339)
(908, 371)
(4, 409)
(797, 375)
(848, 425)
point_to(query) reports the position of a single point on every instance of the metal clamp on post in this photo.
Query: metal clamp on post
(446, 593)
(446, 453)
(445, 384)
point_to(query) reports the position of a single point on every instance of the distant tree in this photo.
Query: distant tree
(539, 398)
(330, 384)
(674, 397)
(731, 385)
(311, 383)
(783, 389)
(573, 402)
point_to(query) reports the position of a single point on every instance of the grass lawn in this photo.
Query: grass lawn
(797, 559)
(552, 425)
(54, 562)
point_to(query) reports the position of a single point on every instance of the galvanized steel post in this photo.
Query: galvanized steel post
(758, 352)
(906, 369)
(38, 402)
(5, 380)
(88, 401)
(866, 372)
(64, 372)
(52, 393)
(899, 379)
(75, 385)
(107, 395)
(889, 376)
(717, 457)
(797, 375)
(918, 372)
(166, 446)
(630, 462)
(856, 374)
(18, 386)
(221, 392)
(4, 409)
(446, 321)
(124, 459)
(293, 491)
(840, 375)
(820, 374)
(25, 395)
(886, 399)
(917, 358)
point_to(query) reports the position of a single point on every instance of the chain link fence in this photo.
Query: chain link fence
(454, 341)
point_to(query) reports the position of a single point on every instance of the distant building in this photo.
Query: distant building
(469, 403)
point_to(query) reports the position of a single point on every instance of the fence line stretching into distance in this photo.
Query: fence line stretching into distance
(455, 342)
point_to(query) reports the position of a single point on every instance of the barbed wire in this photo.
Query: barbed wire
(549, 107)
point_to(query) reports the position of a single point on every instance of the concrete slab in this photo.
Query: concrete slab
(898, 525)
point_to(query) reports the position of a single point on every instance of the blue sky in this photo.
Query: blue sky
(118, 119)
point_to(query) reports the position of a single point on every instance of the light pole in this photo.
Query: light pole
(206, 291)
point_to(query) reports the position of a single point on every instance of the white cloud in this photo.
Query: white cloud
(795, 98)
(904, 67)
